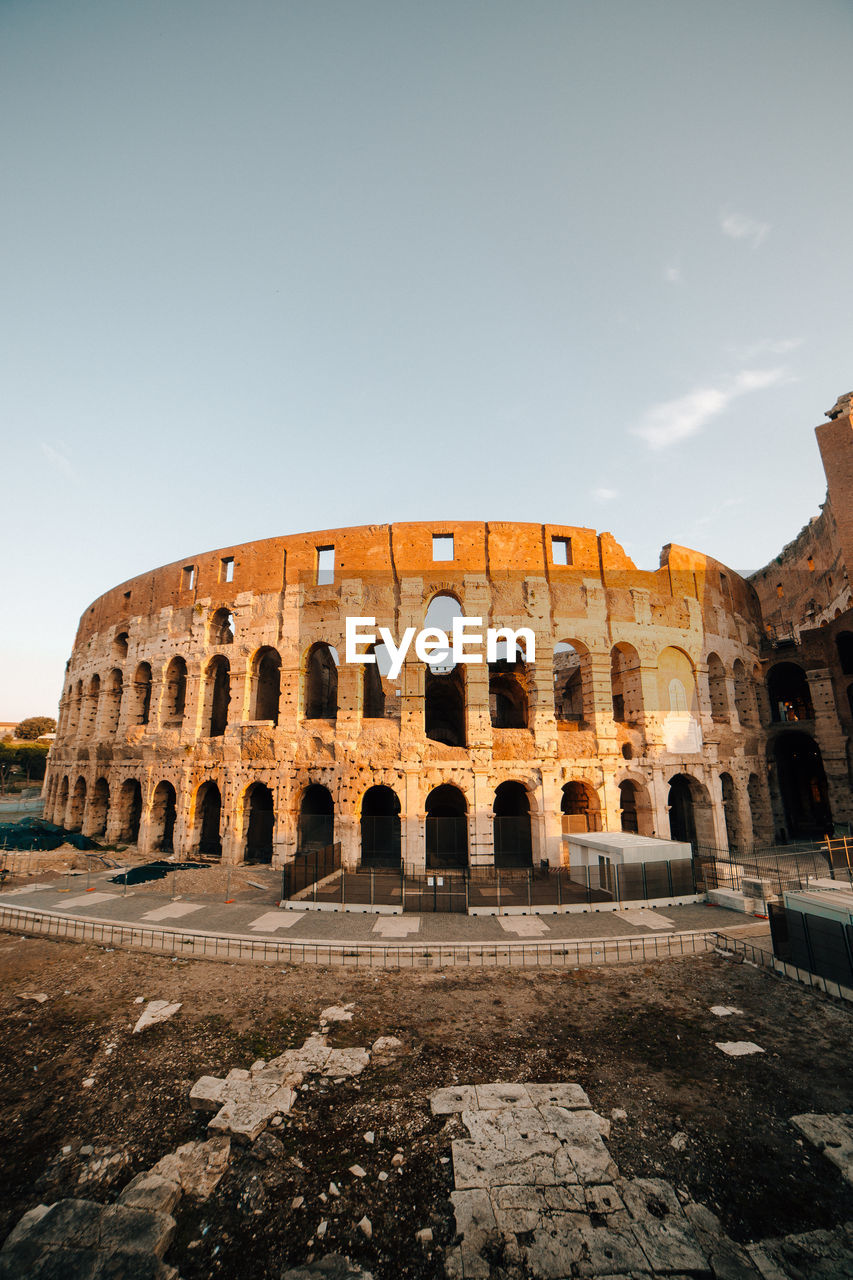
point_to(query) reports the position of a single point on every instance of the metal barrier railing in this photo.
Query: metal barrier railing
(764, 959)
(556, 953)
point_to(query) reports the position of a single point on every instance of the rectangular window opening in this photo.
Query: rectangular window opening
(188, 577)
(442, 546)
(226, 569)
(325, 566)
(561, 551)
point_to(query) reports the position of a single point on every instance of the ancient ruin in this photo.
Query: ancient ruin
(208, 707)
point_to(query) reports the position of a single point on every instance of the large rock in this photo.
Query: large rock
(196, 1167)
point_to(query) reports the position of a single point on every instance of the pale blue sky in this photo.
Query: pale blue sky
(270, 267)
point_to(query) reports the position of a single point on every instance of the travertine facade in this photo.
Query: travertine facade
(204, 706)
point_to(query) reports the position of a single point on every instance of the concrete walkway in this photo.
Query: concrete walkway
(95, 909)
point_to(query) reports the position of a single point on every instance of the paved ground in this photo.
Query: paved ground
(95, 897)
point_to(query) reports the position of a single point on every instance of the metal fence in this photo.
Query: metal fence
(765, 959)
(308, 868)
(495, 888)
(780, 867)
(561, 954)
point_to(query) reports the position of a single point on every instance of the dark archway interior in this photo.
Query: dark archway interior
(446, 828)
(682, 819)
(321, 694)
(788, 691)
(380, 828)
(163, 816)
(268, 686)
(131, 811)
(507, 695)
(628, 805)
(373, 707)
(210, 801)
(261, 823)
(316, 819)
(444, 709)
(219, 672)
(802, 784)
(513, 840)
(844, 644)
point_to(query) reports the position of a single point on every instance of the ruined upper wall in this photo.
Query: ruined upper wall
(807, 583)
(404, 550)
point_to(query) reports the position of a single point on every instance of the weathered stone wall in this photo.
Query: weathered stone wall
(119, 726)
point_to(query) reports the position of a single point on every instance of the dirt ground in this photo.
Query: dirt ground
(639, 1037)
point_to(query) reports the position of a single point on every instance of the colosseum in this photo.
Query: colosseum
(208, 707)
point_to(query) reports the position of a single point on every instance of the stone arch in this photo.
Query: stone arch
(62, 803)
(513, 838)
(508, 695)
(717, 689)
(266, 684)
(140, 707)
(446, 828)
(111, 710)
(164, 812)
(130, 810)
(74, 705)
(788, 691)
(444, 707)
(802, 785)
(119, 647)
(372, 691)
(77, 807)
(321, 683)
(381, 843)
(635, 808)
(690, 813)
(207, 826)
(679, 701)
(90, 707)
(258, 823)
(844, 646)
(580, 807)
(217, 696)
(220, 628)
(316, 825)
(625, 684)
(174, 692)
(99, 808)
(734, 830)
(572, 693)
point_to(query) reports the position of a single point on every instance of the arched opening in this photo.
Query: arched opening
(208, 807)
(141, 708)
(90, 707)
(130, 811)
(678, 700)
(444, 707)
(99, 806)
(261, 821)
(217, 695)
(373, 693)
(788, 691)
(120, 646)
(734, 833)
(221, 629)
(78, 806)
(717, 690)
(844, 645)
(507, 694)
(446, 828)
(690, 815)
(74, 706)
(759, 811)
(175, 693)
(513, 840)
(580, 807)
(62, 803)
(802, 784)
(635, 809)
(571, 660)
(112, 704)
(266, 685)
(163, 815)
(316, 827)
(380, 828)
(850, 698)
(321, 683)
(625, 684)
(747, 710)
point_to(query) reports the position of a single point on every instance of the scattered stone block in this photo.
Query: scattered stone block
(570, 1096)
(366, 1227)
(197, 1167)
(445, 1102)
(724, 1010)
(128, 1230)
(151, 1191)
(831, 1134)
(342, 1064)
(333, 1267)
(496, 1096)
(207, 1094)
(337, 1013)
(155, 1011)
(738, 1048)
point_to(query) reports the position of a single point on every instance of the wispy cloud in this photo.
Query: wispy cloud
(740, 227)
(667, 423)
(59, 460)
(766, 347)
(672, 274)
(605, 495)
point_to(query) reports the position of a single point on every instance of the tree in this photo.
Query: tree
(34, 727)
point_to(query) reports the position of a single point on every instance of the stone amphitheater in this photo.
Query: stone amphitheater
(208, 707)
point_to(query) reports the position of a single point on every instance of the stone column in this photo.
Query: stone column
(413, 818)
(481, 841)
(831, 740)
(551, 830)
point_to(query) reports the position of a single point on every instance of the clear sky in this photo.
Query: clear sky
(268, 267)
